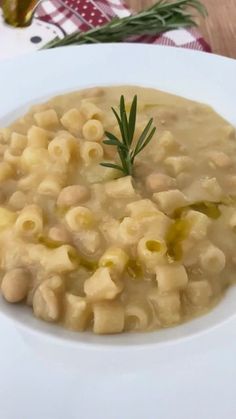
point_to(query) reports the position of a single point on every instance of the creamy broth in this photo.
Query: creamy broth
(91, 249)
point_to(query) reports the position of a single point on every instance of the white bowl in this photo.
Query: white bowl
(199, 76)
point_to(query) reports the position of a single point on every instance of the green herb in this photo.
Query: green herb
(127, 125)
(159, 18)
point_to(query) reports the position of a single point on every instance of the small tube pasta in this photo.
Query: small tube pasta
(38, 137)
(199, 293)
(7, 218)
(159, 223)
(108, 317)
(169, 201)
(47, 299)
(79, 218)
(12, 156)
(90, 111)
(47, 119)
(137, 316)
(6, 171)
(91, 152)
(73, 120)
(212, 259)
(121, 188)
(142, 208)
(61, 148)
(149, 217)
(18, 141)
(51, 186)
(73, 195)
(151, 252)
(199, 224)
(34, 156)
(30, 221)
(93, 130)
(129, 231)
(171, 277)
(76, 312)
(100, 286)
(115, 259)
(61, 259)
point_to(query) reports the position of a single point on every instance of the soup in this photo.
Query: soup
(92, 248)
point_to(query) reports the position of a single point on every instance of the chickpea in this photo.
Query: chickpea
(47, 298)
(73, 195)
(15, 285)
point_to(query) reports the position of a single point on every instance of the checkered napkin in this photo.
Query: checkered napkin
(71, 15)
(62, 17)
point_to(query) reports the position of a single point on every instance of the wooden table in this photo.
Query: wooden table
(219, 29)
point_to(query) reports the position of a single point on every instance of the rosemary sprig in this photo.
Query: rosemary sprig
(161, 17)
(127, 125)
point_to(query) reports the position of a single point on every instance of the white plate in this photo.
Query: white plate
(145, 379)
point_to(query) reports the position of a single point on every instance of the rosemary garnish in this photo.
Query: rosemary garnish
(127, 125)
(159, 18)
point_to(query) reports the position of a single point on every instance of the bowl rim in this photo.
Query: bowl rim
(171, 55)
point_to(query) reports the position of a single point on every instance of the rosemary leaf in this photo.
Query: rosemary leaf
(111, 165)
(112, 140)
(159, 18)
(132, 118)
(120, 125)
(127, 125)
(124, 121)
(145, 143)
(143, 136)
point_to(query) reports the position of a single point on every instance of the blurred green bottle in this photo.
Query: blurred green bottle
(19, 12)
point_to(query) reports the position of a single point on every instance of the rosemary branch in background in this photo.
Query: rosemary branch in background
(127, 125)
(161, 17)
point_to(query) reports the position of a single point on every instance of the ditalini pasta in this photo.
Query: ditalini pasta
(91, 249)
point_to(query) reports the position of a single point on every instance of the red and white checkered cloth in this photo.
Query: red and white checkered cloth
(62, 17)
(71, 15)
